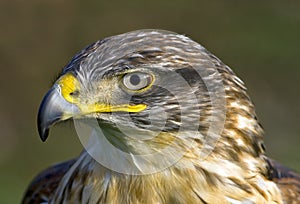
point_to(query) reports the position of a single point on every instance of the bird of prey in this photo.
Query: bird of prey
(169, 123)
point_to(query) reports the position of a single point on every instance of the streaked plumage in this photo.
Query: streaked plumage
(235, 171)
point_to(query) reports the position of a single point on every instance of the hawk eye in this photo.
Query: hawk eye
(137, 80)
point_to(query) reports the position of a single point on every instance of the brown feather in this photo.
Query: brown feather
(286, 179)
(43, 186)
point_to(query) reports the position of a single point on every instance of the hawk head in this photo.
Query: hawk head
(171, 108)
(150, 89)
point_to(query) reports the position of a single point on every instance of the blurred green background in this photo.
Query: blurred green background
(258, 39)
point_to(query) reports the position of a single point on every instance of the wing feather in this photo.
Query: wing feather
(44, 184)
(286, 179)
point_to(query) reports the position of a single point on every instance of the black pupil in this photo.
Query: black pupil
(135, 79)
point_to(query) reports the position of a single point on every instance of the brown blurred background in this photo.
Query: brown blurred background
(260, 40)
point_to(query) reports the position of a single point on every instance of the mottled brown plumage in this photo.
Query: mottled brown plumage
(229, 166)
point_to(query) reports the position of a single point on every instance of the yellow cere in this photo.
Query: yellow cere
(69, 85)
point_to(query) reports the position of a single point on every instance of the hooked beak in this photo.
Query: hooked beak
(54, 108)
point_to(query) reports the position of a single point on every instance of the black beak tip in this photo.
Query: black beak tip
(43, 132)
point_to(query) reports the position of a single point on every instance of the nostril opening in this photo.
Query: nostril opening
(74, 93)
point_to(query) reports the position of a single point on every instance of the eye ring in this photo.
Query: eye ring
(137, 81)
